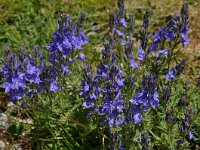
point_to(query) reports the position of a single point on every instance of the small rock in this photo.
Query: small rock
(2, 145)
(16, 147)
(3, 121)
(10, 104)
(29, 121)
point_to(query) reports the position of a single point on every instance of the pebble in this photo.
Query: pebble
(2, 145)
(16, 147)
(3, 121)
(10, 104)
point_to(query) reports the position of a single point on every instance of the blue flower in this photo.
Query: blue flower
(123, 22)
(171, 75)
(170, 34)
(81, 57)
(123, 42)
(32, 73)
(88, 103)
(141, 54)
(54, 86)
(184, 25)
(14, 83)
(164, 52)
(133, 64)
(18, 83)
(24, 105)
(158, 37)
(154, 100)
(138, 118)
(90, 90)
(191, 136)
(65, 69)
(66, 39)
(7, 85)
(146, 96)
(83, 38)
(184, 37)
(16, 95)
(106, 82)
(119, 32)
(135, 114)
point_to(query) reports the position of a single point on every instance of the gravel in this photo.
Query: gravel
(3, 121)
(2, 145)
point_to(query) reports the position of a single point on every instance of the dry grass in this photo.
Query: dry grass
(165, 8)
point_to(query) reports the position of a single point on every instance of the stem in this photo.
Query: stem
(103, 140)
(126, 136)
(169, 136)
(155, 136)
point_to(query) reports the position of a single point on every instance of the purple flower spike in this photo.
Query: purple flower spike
(184, 25)
(185, 39)
(141, 54)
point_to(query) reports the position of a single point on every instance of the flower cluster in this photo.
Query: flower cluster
(116, 142)
(185, 123)
(66, 40)
(28, 75)
(174, 72)
(21, 73)
(91, 89)
(146, 96)
(107, 93)
(112, 77)
(144, 140)
(105, 84)
(185, 127)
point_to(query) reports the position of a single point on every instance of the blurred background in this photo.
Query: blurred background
(29, 22)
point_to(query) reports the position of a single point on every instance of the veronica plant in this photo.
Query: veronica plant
(130, 81)
(66, 40)
(22, 73)
(29, 75)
